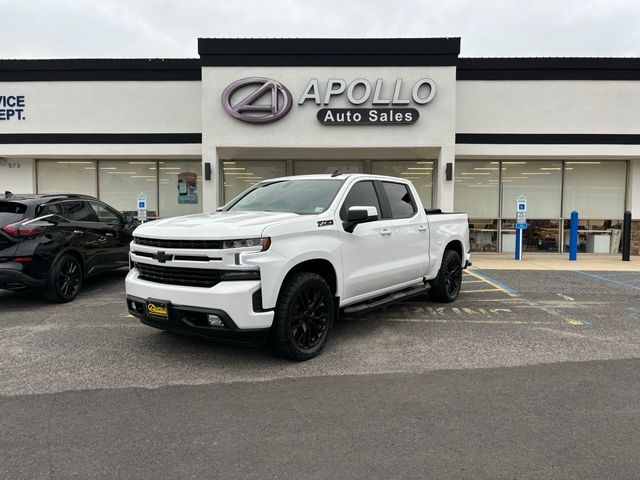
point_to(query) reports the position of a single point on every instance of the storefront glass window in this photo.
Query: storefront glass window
(594, 189)
(596, 236)
(539, 236)
(476, 188)
(239, 175)
(540, 181)
(180, 187)
(420, 172)
(477, 194)
(67, 176)
(483, 235)
(121, 181)
(310, 167)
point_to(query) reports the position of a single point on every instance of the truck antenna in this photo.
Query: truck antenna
(336, 173)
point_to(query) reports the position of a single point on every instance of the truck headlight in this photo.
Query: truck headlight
(265, 243)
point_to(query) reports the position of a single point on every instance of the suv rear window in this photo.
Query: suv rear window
(11, 212)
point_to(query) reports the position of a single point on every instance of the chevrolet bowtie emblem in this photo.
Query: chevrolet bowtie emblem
(162, 257)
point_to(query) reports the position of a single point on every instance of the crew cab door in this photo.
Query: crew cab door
(367, 252)
(410, 232)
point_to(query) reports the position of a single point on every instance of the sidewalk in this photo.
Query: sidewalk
(554, 261)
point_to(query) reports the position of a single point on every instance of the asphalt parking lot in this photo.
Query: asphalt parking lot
(530, 374)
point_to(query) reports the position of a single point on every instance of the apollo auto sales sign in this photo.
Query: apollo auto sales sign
(263, 100)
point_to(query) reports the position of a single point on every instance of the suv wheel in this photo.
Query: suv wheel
(303, 317)
(65, 279)
(446, 287)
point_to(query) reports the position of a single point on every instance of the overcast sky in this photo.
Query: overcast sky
(163, 28)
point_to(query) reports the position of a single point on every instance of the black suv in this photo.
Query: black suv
(53, 242)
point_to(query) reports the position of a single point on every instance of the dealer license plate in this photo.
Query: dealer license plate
(158, 309)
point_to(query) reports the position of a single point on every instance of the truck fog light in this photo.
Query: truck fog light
(215, 321)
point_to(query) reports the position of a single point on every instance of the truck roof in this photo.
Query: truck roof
(334, 176)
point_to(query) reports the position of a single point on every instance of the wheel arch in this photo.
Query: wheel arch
(456, 246)
(75, 253)
(320, 266)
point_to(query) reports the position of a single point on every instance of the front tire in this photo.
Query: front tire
(65, 279)
(446, 287)
(303, 317)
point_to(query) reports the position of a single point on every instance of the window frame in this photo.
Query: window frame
(86, 203)
(381, 206)
(107, 208)
(390, 210)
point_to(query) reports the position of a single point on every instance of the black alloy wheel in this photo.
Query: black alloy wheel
(69, 277)
(303, 317)
(309, 318)
(453, 279)
(446, 286)
(65, 279)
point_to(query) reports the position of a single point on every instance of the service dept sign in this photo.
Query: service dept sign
(263, 100)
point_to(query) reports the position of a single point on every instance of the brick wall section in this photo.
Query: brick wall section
(635, 237)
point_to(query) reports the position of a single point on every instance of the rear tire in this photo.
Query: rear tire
(446, 286)
(65, 279)
(303, 318)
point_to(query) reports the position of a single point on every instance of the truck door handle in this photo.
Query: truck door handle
(109, 234)
(422, 228)
(78, 231)
(385, 231)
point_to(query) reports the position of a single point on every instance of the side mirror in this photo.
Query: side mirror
(128, 219)
(358, 215)
(219, 209)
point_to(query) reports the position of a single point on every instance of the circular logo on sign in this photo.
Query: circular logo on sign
(263, 100)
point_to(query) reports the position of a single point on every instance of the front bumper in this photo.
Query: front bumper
(192, 321)
(13, 278)
(233, 301)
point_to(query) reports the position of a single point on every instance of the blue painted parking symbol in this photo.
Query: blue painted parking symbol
(140, 204)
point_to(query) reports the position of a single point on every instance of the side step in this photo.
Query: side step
(367, 306)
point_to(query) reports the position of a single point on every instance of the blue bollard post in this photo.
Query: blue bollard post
(519, 244)
(573, 237)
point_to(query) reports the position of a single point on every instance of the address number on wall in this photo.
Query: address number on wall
(13, 164)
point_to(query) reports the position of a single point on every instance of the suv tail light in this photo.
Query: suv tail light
(22, 229)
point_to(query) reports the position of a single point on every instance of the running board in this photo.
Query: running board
(367, 306)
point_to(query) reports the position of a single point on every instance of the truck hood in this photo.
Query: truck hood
(213, 226)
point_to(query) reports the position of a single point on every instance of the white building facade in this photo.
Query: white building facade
(472, 134)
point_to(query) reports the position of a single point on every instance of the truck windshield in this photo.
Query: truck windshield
(305, 197)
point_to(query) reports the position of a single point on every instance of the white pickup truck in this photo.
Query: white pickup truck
(282, 260)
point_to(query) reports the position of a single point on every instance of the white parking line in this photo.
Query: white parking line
(566, 297)
(483, 290)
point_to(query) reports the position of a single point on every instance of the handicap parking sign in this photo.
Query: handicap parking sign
(142, 201)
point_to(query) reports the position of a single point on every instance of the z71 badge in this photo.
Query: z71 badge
(325, 223)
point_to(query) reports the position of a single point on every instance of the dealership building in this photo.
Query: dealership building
(472, 134)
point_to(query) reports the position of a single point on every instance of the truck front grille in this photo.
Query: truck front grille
(192, 277)
(188, 277)
(162, 243)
